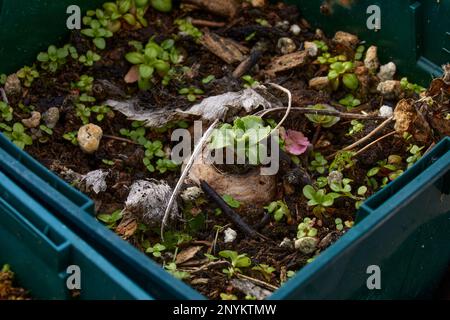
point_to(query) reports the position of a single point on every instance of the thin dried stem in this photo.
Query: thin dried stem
(289, 107)
(107, 136)
(370, 135)
(374, 142)
(343, 115)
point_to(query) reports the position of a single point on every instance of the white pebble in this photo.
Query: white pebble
(295, 29)
(89, 137)
(387, 71)
(306, 245)
(230, 235)
(386, 111)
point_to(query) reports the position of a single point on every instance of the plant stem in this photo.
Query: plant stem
(343, 115)
(374, 142)
(119, 139)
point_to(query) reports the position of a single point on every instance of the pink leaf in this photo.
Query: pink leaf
(296, 143)
(132, 75)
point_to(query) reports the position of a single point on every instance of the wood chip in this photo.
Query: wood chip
(187, 254)
(287, 62)
(127, 227)
(226, 49)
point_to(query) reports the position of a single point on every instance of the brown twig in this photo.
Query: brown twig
(374, 142)
(257, 281)
(107, 136)
(230, 213)
(343, 115)
(207, 23)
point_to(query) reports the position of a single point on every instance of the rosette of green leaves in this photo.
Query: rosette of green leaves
(27, 75)
(153, 58)
(54, 58)
(98, 32)
(325, 121)
(342, 72)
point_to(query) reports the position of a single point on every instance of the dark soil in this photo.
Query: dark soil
(200, 217)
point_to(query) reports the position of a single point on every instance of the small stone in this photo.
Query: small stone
(230, 235)
(306, 245)
(286, 45)
(287, 243)
(387, 71)
(295, 29)
(386, 111)
(258, 3)
(89, 137)
(347, 39)
(34, 121)
(319, 83)
(51, 117)
(311, 48)
(371, 60)
(390, 89)
(12, 85)
(283, 25)
(335, 177)
(191, 193)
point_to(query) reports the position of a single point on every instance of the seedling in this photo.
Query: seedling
(45, 133)
(244, 136)
(359, 52)
(83, 112)
(321, 119)
(164, 165)
(226, 296)
(18, 136)
(262, 22)
(319, 199)
(112, 219)
(208, 79)
(416, 154)
(72, 137)
(230, 201)
(152, 150)
(89, 58)
(3, 78)
(28, 74)
(108, 162)
(249, 82)
(350, 101)
(327, 58)
(266, 270)
(186, 28)
(237, 261)
(342, 72)
(389, 171)
(322, 46)
(343, 160)
(101, 112)
(54, 58)
(84, 84)
(191, 93)
(154, 58)
(279, 209)
(210, 257)
(338, 223)
(6, 112)
(137, 135)
(306, 228)
(173, 270)
(319, 163)
(160, 5)
(98, 33)
(408, 86)
(342, 186)
(356, 127)
(156, 250)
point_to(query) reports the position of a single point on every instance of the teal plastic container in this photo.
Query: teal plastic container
(39, 249)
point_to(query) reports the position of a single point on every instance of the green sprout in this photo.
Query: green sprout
(327, 58)
(208, 79)
(156, 250)
(356, 127)
(249, 82)
(237, 261)
(262, 22)
(89, 58)
(319, 199)
(28, 74)
(389, 169)
(359, 52)
(83, 112)
(152, 150)
(160, 5)
(342, 160)
(54, 58)
(408, 86)
(226, 296)
(164, 165)
(84, 84)
(230, 201)
(321, 45)
(3, 78)
(416, 154)
(153, 58)
(319, 163)
(6, 112)
(72, 137)
(266, 270)
(339, 224)
(350, 101)
(112, 219)
(186, 28)
(325, 121)
(173, 270)
(18, 136)
(191, 93)
(101, 112)
(342, 71)
(306, 228)
(108, 162)
(98, 33)
(45, 132)
(279, 209)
